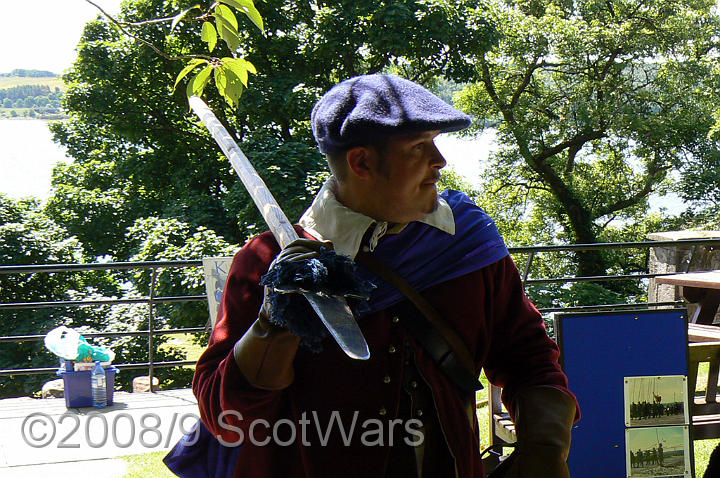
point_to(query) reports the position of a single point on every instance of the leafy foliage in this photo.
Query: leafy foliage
(598, 102)
(89, 199)
(40, 99)
(169, 239)
(147, 181)
(595, 102)
(140, 153)
(29, 237)
(700, 181)
(230, 74)
(29, 91)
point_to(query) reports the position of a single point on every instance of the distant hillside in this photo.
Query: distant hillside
(30, 74)
(31, 94)
(25, 92)
(13, 81)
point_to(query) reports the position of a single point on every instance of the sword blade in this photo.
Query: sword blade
(338, 319)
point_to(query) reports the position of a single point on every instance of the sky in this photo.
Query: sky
(672, 438)
(670, 388)
(42, 34)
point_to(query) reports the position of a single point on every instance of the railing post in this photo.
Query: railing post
(528, 264)
(151, 328)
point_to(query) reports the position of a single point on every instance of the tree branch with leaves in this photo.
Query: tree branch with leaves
(230, 74)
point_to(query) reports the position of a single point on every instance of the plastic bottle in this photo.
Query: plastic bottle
(99, 387)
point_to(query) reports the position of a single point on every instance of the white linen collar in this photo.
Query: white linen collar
(328, 220)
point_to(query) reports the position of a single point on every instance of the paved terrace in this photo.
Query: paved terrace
(41, 437)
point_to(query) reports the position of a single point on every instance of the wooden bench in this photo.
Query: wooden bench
(704, 406)
(701, 288)
(501, 428)
(703, 333)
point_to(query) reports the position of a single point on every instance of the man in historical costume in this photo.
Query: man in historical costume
(402, 413)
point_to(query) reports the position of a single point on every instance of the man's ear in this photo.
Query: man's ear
(362, 162)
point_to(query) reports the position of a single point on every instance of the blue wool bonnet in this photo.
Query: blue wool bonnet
(365, 107)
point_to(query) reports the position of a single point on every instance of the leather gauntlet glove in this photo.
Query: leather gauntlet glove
(266, 352)
(544, 416)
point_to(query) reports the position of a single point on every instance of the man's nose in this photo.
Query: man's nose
(437, 160)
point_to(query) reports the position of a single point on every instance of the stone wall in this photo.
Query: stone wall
(673, 259)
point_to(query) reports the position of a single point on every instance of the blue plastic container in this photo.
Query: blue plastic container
(78, 387)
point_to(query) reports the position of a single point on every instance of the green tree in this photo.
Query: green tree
(125, 115)
(700, 182)
(94, 202)
(523, 224)
(598, 101)
(29, 237)
(167, 239)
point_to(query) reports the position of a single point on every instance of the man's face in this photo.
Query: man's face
(408, 170)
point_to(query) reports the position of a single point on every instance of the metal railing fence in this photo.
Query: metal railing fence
(532, 251)
(152, 300)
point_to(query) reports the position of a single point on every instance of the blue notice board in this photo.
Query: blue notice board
(598, 350)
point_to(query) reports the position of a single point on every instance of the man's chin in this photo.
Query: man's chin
(431, 208)
(435, 204)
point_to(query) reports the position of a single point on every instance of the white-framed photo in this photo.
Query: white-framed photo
(657, 400)
(658, 452)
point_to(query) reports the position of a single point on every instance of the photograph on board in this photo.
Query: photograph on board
(656, 400)
(657, 452)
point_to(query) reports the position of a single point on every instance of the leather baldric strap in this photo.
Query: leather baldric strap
(436, 336)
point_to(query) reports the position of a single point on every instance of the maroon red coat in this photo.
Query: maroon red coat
(488, 308)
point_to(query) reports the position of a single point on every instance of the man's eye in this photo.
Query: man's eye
(419, 147)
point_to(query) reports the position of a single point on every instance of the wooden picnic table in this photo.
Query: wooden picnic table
(701, 288)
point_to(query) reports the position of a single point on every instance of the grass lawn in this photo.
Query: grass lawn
(481, 397)
(147, 464)
(151, 464)
(185, 342)
(703, 449)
